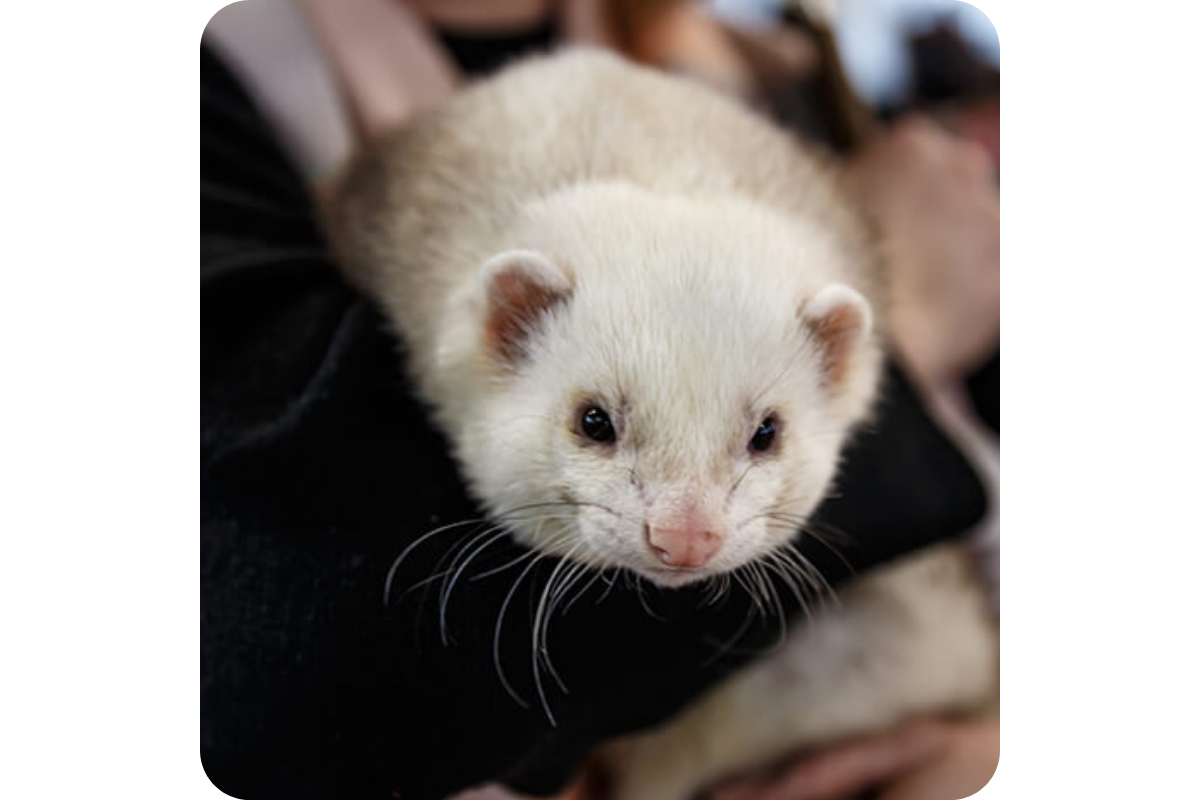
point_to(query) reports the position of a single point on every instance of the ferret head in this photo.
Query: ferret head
(669, 383)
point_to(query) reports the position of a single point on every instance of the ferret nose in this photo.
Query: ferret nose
(683, 547)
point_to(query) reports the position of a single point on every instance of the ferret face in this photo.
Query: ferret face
(676, 411)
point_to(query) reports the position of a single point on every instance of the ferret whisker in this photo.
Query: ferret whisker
(713, 590)
(807, 526)
(815, 526)
(450, 555)
(589, 504)
(597, 574)
(611, 581)
(422, 583)
(637, 582)
(831, 548)
(763, 587)
(461, 550)
(510, 513)
(826, 590)
(448, 587)
(500, 628)
(753, 590)
(573, 574)
(781, 614)
(387, 584)
(786, 571)
(576, 570)
(538, 638)
(718, 590)
(787, 556)
(826, 533)
(496, 570)
(710, 591)
(744, 582)
(769, 515)
(726, 587)
(807, 570)
(727, 646)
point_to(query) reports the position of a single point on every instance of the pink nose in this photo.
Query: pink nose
(683, 547)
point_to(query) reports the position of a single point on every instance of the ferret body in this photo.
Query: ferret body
(629, 300)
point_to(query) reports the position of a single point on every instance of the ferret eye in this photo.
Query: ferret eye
(764, 437)
(597, 426)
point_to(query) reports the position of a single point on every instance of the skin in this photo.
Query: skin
(922, 759)
(935, 202)
(926, 759)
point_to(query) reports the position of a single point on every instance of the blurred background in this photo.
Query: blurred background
(331, 74)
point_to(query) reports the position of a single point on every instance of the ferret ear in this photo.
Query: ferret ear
(520, 287)
(839, 320)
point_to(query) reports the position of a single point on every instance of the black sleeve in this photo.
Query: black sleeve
(983, 387)
(318, 468)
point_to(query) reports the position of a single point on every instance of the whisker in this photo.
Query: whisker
(451, 554)
(598, 574)
(500, 629)
(637, 582)
(785, 569)
(541, 623)
(837, 553)
(743, 581)
(448, 587)
(828, 591)
(509, 565)
(726, 647)
(771, 600)
(387, 584)
(611, 583)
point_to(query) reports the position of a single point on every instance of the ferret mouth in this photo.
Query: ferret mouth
(673, 577)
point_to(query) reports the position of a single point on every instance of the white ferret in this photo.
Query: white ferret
(628, 298)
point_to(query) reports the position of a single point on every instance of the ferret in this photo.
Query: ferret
(628, 299)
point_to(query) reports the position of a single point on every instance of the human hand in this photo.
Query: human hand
(936, 205)
(583, 788)
(925, 759)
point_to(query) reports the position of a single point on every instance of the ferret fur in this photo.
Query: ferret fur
(694, 237)
(692, 241)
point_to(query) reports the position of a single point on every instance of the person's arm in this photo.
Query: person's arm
(934, 200)
(926, 759)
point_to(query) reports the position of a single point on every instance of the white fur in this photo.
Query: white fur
(692, 234)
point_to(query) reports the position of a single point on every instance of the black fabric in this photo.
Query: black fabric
(318, 468)
(984, 389)
(478, 53)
